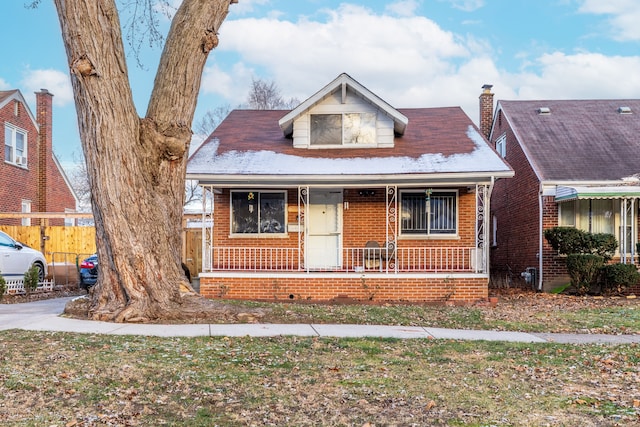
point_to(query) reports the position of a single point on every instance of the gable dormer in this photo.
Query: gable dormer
(343, 114)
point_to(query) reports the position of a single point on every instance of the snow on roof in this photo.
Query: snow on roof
(265, 162)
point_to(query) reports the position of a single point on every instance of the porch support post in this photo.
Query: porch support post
(634, 229)
(627, 221)
(482, 228)
(622, 245)
(303, 197)
(392, 227)
(207, 229)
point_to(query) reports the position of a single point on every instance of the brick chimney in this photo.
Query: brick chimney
(44, 116)
(486, 110)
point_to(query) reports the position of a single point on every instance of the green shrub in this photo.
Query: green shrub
(570, 240)
(566, 240)
(616, 278)
(586, 254)
(31, 279)
(584, 270)
(602, 244)
(3, 286)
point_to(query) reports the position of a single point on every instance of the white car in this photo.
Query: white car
(16, 259)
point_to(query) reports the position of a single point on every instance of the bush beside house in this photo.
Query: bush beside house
(587, 259)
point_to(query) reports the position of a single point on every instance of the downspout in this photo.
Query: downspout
(540, 237)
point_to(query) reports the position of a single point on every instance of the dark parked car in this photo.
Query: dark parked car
(89, 271)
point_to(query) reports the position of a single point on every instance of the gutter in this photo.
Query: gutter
(463, 178)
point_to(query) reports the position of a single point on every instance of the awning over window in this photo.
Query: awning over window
(565, 193)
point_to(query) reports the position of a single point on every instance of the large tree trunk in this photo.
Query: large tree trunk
(137, 165)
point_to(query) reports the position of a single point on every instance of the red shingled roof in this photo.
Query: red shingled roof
(430, 131)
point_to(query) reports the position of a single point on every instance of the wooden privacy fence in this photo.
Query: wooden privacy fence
(54, 239)
(65, 246)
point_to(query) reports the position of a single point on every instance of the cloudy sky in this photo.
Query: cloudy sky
(412, 53)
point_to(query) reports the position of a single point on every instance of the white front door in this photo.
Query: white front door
(324, 229)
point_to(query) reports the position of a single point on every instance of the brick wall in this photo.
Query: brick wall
(515, 204)
(323, 288)
(18, 183)
(41, 182)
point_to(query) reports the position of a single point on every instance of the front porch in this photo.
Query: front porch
(348, 242)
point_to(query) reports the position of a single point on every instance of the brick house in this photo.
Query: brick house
(346, 197)
(576, 163)
(32, 178)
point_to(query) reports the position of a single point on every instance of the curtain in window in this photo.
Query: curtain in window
(414, 213)
(253, 212)
(602, 217)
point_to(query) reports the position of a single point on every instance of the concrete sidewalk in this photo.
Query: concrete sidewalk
(45, 316)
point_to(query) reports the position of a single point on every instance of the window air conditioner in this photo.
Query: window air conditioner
(22, 161)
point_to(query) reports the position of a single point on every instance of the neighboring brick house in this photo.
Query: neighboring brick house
(32, 178)
(576, 163)
(346, 197)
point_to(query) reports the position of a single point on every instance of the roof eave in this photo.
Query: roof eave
(460, 178)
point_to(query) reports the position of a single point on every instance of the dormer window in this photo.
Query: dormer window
(344, 114)
(343, 129)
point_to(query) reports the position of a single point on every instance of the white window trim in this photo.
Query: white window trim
(15, 130)
(501, 145)
(258, 235)
(69, 222)
(26, 208)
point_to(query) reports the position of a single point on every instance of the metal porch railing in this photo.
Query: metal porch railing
(355, 260)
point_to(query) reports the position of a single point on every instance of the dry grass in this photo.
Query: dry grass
(60, 379)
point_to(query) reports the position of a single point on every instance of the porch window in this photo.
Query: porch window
(258, 212)
(594, 216)
(343, 129)
(15, 145)
(429, 212)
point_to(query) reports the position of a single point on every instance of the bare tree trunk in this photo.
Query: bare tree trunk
(137, 166)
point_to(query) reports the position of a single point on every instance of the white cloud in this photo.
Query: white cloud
(244, 7)
(402, 7)
(624, 16)
(467, 5)
(232, 85)
(580, 76)
(409, 61)
(4, 85)
(55, 81)
(378, 50)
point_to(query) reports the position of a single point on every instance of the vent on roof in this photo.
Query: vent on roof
(544, 110)
(624, 110)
